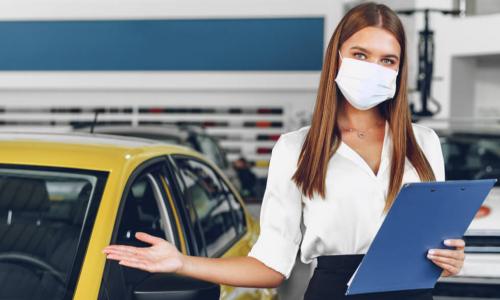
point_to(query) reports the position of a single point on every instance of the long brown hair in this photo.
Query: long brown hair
(323, 137)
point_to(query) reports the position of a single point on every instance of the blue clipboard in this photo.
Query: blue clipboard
(423, 215)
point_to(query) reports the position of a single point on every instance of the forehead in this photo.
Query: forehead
(375, 39)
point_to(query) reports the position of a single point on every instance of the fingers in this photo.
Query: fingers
(445, 259)
(123, 249)
(451, 261)
(458, 243)
(448, 269)
(135, 250)
(119, 257)
(453, 254)
(137, 265)
(153, 240)
(128, 259)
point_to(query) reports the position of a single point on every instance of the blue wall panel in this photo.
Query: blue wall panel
(281, 44)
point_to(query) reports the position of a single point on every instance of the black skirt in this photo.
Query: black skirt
(330, 277)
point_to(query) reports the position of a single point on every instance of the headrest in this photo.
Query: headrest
(147, 203)
(80, 207)
(23, 194)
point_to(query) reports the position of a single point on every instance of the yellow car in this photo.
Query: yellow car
(64, 197)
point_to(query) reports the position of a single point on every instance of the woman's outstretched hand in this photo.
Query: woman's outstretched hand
(161, 256)
(451, 261)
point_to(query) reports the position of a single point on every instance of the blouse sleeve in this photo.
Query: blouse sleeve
(437, 159)
(281, 212)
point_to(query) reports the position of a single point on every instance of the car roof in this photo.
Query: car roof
(166, 129)
(82, 150)
(490, 132)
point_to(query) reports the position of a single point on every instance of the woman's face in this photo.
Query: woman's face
(373, 44)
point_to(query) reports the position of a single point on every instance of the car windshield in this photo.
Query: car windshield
(45, 216)
(211, 150)
(470, 156)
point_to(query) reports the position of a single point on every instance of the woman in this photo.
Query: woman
(342, 173)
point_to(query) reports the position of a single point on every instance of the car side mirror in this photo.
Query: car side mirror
(166, 286)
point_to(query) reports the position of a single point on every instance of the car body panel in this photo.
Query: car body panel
(119, 157)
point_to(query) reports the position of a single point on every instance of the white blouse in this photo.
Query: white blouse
(347, 220)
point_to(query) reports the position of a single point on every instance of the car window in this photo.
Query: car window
(210, 148)
(141, 211)
(144, 209)
(45, 214)
(208, 206)
(471, 157)
(241, 226)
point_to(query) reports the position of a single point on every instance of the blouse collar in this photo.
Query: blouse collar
(352, 155)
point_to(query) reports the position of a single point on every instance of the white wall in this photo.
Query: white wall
(466, 61)
(295, 92)
(455, 38)
(482, 7)
(44, 83)
(487, 86)
(475, 87)
(459, 40)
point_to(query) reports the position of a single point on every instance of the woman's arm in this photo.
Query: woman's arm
(271, 258)
(162, 256)
(242, 271)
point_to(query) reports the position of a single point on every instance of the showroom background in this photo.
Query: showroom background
(246, 70)
(261, 59)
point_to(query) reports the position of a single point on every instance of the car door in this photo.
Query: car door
(216, 216)
(144, 207)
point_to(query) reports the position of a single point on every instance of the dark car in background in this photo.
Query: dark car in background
(474, 153)
(190, 136)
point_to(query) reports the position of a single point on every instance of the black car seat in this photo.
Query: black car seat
(64, 251)
(149, 213)
(22, 204)
(23, 231)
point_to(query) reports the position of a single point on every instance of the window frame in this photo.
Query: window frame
(239, 235)
(175, 191)
(141, 170)
(87, 226)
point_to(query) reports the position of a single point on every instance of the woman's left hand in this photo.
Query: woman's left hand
(451, 261)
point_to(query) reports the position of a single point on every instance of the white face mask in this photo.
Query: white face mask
(365, 84)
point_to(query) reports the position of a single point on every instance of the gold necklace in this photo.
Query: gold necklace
(360, 133)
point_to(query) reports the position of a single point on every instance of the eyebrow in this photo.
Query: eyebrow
(368, 51)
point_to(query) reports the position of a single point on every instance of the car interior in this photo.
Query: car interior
(39, 235)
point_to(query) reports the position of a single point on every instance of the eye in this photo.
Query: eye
(387, 61)
(359, 55)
